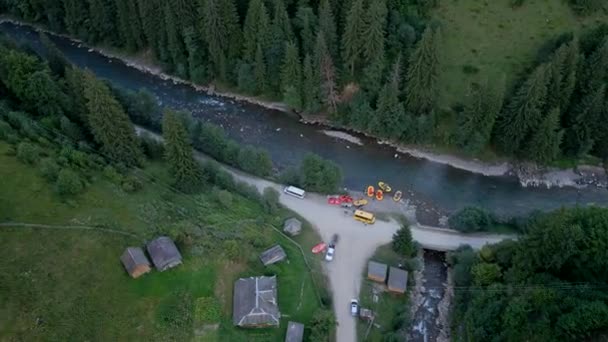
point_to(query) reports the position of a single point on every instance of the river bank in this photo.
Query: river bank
(529, 175)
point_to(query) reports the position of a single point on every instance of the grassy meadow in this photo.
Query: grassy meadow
(62, 284)
(489, 39)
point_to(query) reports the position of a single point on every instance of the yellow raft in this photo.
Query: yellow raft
(385, 187)
(397, 196)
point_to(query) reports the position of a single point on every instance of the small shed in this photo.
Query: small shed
(254, 304)
(273, 255)
(366, 314)
(397, 280)
(376, 271)
(295, 332)
(135, 262)
(292, 226)
(164, 253)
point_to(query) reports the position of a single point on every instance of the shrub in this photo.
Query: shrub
(112, 175)
(246, 80)
(471, 219)
(290, 176)
(270, 199)
(321, 325)
(68, 182)
(131, 184)
(255, 161)
(207, 310)
(49, 169)
(5, 130)
(232, 250)
(319, 175)
(153, 148)
(175, 311)
(485, 274)
(28, 153)
(224, 198)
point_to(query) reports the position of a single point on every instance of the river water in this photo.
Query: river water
(287, 140)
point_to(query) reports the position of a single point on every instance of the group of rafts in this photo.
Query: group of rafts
(382, 189)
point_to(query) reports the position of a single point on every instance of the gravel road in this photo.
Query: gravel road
(357, 242)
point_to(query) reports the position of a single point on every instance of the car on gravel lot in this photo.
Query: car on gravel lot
(331, 250)
(354, 307)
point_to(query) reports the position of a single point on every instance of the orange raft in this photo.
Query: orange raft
(379, 195)
(370, 191)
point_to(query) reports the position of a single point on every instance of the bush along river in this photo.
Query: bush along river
(436, 187)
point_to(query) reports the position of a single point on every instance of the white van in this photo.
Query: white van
(295, 192)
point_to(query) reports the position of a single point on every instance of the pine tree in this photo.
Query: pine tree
(544, 144)
(352, 39)
(563, 68)
(476, 122)
(291, 77)
(523, 113)
(230, 19)
(306, 22)
(256, 31)
(310, 86)
(421, 85)
(389, 116)
(123, 25)
(281, 32)
(153, 25)
(109, 124)
(595, 71)
(176, 46)
(76, 17)
(259, 70)
(103, 21)
(403, 243)
(374, 30)
(214, 32)
(327, 27)
(372, 76)
(327, 74)
(586, 123)
(178, 152)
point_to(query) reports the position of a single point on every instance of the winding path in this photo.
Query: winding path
(357, 241)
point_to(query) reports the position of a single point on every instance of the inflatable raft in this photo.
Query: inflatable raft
(319, 248)
(397, 196)
(379, 195)
(384, 187)
(370, 191)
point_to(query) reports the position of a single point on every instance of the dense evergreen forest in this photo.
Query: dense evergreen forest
(550, 285)
(368, 65)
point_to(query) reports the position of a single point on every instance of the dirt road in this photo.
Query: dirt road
(357, 242)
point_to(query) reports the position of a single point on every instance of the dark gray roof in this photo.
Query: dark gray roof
(255, 302)
(397, 279)
(376, 271)
(292, 226)
(273, 255)
(164, 253)
(295, 332)
(133, 257)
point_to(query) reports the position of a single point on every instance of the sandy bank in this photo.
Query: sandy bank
(343, 136)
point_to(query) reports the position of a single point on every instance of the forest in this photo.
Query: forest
(550, 285)
(372, 66)
(78, 169)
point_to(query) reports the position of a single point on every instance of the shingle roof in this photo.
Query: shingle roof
(164, 253)
(376, 271)
(397, 279)
(133, 257)
(255, 302)
(292, 226)
(295, 332)
(273, 255)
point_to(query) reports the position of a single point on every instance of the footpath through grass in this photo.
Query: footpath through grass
(489, 39)
(65, 285)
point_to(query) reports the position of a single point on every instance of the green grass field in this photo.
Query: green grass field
(388, 305)
(497, 40)
(61, 285)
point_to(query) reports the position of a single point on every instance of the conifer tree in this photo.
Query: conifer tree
(109, 124)
(306, 23)
(76, 17)
(595, 69)
(214, 32)
(102, 14)
(259, 70)
(327, 73)
(310, 86)
(234, 36)
(352, 38)
(281, 32)
(127, 25)
(175, 41)
(153, 25)
(563, 68)
(178, 152)
(389, 116)
(327, 27)
(585, 124)
(476, 122)
(374, 30)
(523, 113)
(372, 75)
(256, 31)
(291, 77)
(421, 85)
(543, 147)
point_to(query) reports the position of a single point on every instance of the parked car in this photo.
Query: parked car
(346, 205)
(354, 307)
(331, 250)
(346, 199)
(333, 200)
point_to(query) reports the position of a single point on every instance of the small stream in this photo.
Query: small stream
(424, 326)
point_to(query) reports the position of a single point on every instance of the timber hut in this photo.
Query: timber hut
(295, 332)
(255, 303)
(164, 253)
(376, 271)
(135, 262)
(292, 226)
(397, 280)
(273, 255)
